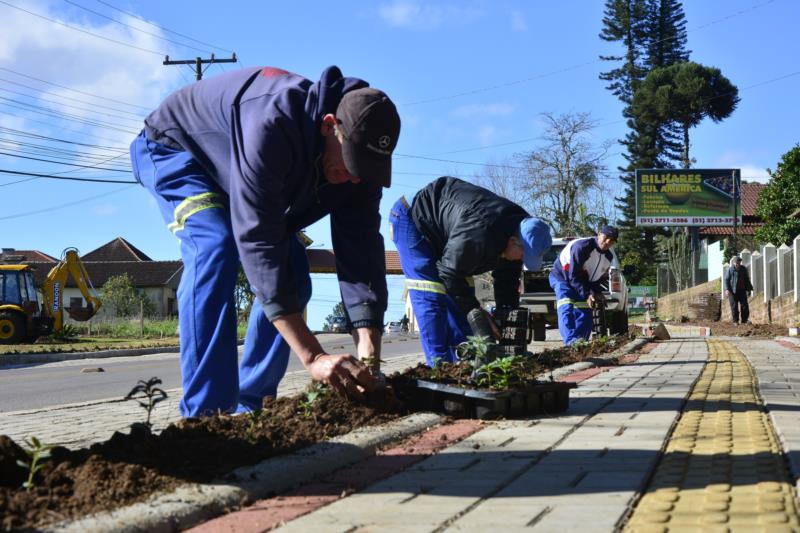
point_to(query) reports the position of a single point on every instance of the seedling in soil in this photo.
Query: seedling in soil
(499, 373)
(254, 416)
(148, 396)
(313, 393)
(436, 369)
(36, 452)
(475, 348)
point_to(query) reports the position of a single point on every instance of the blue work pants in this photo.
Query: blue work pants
(197, 212)
(442, 324)
(574, 314)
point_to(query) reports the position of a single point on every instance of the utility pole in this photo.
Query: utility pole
(198, 63)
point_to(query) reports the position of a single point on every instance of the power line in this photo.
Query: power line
(20, 74)
(162, 28)
(68, 178)
(96, 35)
(137, 118)
(576, 66)
(28, 134)
(62, 206)
(31, 108)
(7, 154)
(39, 90)
(134, 28)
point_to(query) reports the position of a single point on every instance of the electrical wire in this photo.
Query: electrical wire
(68, 178)
(7, 154)
(64, 206)
(576, 66)
(20, 74)
(22, 133)
(134, 118)
(134, 28)
(40, 91)
(96, 35)
(162, 28)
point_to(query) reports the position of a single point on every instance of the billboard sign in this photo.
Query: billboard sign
(688, 197)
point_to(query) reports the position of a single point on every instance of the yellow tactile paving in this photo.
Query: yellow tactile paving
(722, 469)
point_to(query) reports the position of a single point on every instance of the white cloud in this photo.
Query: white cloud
(749, 171)
(498, 109)
(415, 15)
(754, 173)
(518, 22)
(82, 62)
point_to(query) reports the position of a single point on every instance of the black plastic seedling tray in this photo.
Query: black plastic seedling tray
(538, 398)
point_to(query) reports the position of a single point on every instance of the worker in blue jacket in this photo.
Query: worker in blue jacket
(576, 276)
(451, 231)
(238, 164)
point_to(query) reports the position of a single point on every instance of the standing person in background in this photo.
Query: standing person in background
(737, 287)
(240, 162)
(576, 276)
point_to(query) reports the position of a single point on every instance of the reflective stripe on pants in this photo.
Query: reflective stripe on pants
(442, 324)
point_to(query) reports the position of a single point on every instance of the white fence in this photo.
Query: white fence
(773, 271)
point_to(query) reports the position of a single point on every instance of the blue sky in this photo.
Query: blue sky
(470, 78)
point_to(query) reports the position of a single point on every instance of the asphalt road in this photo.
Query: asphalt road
(32, 387)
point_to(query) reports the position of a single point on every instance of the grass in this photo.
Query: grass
(109, 335)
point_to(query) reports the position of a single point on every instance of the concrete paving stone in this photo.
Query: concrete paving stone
(580, 518)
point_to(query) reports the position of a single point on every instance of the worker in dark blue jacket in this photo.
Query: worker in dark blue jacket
(452, 231)
(239, 163)
(576, 277)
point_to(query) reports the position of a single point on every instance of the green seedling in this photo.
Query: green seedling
(254, 417)
(436, 369)
(476, 349)
(147, 395)
(36, 452)
(313, 393)
(499, 373)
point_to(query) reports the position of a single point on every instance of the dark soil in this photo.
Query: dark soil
(525, 372)
(729, 329)
(129, 467)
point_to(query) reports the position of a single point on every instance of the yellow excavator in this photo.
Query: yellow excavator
(23, 318)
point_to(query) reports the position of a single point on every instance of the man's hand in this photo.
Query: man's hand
(346, 374)
(590, 300)
(727, 293)
(343, 372)
(492, 324)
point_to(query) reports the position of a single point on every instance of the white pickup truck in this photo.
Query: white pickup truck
(540, 300)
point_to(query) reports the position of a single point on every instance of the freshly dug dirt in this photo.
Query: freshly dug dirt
(721, 329)
(523, 374)
(129, 467)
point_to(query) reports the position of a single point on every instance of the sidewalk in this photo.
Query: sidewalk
(684, 426)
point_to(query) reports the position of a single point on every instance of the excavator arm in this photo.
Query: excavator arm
(53, 290)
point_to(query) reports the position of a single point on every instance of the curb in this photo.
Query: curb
(43, 358)
(583, 365)
(191, 504)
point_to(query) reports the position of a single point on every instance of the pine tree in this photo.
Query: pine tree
(653, 33)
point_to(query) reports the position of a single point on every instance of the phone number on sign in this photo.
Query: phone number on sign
(710, 221)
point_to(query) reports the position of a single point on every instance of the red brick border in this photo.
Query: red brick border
(272, 512)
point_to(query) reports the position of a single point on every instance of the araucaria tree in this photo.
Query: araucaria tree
(779, 200)
(652, 34)
(685, 94)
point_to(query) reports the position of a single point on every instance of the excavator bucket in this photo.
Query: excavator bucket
(81, 314)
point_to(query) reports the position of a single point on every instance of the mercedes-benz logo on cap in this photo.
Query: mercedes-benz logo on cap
(384, 141)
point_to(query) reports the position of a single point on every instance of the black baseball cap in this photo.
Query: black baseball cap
(371, 127)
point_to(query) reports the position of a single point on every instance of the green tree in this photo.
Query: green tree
(336, 314)
(779, 200)
(119, 293)
(564, 174)
(243, 296)
(685, 93)
(652, 34)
